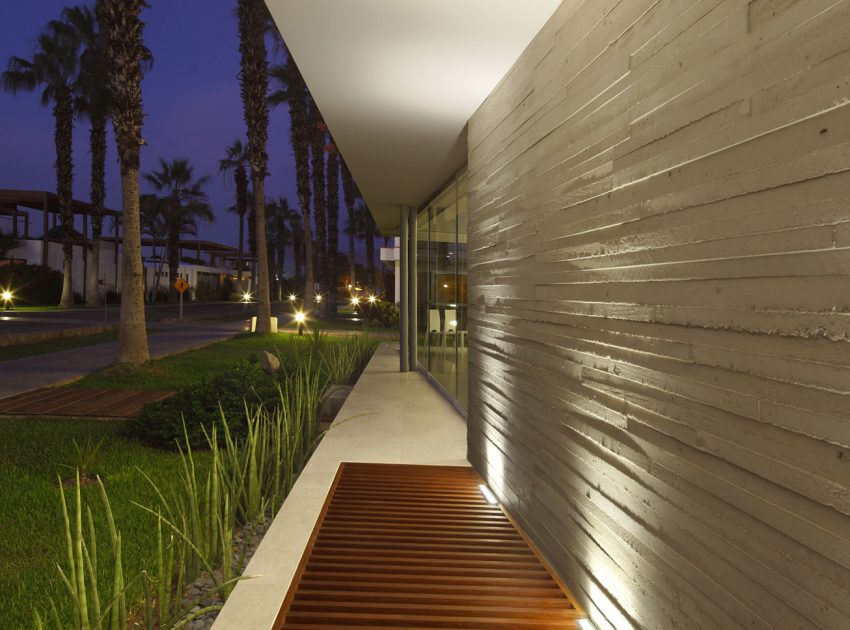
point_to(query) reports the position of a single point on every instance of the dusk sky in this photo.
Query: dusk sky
(191, 98)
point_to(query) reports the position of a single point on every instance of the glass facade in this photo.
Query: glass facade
(442, 291)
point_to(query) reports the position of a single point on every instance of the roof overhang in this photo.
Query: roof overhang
(397, 80)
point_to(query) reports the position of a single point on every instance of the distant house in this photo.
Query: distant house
(32, 217)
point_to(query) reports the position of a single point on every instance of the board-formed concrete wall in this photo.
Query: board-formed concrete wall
(659, 235)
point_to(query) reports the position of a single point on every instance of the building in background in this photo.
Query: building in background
(33, 219)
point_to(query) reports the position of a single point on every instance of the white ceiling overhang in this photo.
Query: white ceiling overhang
(397, 80)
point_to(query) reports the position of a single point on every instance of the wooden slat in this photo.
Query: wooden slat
(100, 403)
(419, 547)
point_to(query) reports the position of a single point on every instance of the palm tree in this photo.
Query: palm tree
(122, 27)
(254, 83)
(278, 235)
(292, 90)
(317, 150)
(333, 224)
(54, 67)
(153, 226)
(235, 162)
(184, 205)
(366, 230)
(92, 101)
(296, 230)
(349, 191)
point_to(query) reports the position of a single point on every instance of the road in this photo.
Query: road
(17, 322)
(20, 375)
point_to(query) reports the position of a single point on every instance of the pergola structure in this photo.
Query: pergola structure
(48, 204)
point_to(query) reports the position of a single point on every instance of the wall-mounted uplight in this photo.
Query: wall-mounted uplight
(488, 494)
(585, 624)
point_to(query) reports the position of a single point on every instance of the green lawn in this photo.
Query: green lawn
(181, 369)
(187, 367)
(31, 456)
(54, 345)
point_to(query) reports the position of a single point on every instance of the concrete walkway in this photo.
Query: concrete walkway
(389, 417)
(21, 375)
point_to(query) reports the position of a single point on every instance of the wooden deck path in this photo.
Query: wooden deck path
(420, 547)
(62, 401)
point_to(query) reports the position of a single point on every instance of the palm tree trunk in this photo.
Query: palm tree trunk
(132, 334)
(370, 255)
(309, 286)
(263, 294)
(97, 141)
(254, 84)
(352, 263)
(319, 206)
(122, 25)
(333, 228)
(64, 114)
(281, 265)
(348, 192)
(241, 251)
(173, 268)
(297, 246)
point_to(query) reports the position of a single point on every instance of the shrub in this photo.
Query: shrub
(230, 396)
(382, 314)
(32, 285)
(203, 403)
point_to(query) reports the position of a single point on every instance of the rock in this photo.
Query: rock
(269, 362)
(332, 401)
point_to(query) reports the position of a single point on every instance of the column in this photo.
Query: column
(412, 324)
(403, 302)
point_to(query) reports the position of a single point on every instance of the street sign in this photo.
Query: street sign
(181, 285)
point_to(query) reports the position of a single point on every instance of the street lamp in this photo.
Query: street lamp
(300, 318)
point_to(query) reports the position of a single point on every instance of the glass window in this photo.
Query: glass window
(441, 299)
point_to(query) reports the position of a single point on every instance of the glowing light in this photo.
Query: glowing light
(349, 287)
(318, 297)
(488, 494)
(246, 297)
(453, 322)
(292, 297)
(372, 299)
(300, 317)
(445, 286)
(7, 295)
(355, 301)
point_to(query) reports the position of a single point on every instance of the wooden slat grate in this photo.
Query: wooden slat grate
(60, 401)
(419, 547)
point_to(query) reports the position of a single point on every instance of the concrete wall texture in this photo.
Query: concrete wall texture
(659, 235)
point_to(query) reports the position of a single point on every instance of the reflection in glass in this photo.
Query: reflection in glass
(441, 299)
